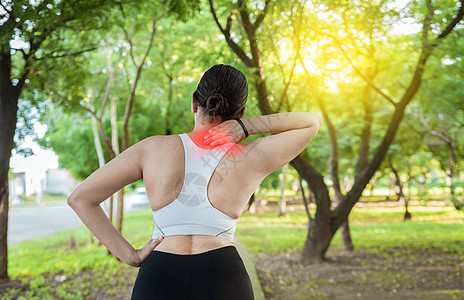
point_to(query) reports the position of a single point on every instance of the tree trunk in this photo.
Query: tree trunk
(400, 194)
(253, 204)
(345, 234)
(346, 241)
(127, 115)
(391, 187)
(115, 147)
(9, 96)
(423, 192)
(168, 129)
(120, 210)
(317, 241)
(111, 208)
(126, 138)
(112, 146)
(282, 202)
(319, 232)
(305, 200)
(4, 230)
(101, 159)
(408, 183)
(364, 143)
(371, 190)
(452, 166)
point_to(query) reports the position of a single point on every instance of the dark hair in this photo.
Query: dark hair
(222, 92)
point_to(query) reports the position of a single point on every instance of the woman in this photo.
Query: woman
(198, 185)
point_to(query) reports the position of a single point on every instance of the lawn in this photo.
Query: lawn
(373, 228)
(72, 265)
(394, 259)
(69, 265)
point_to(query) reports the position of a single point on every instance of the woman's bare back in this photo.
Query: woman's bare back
(229, 189)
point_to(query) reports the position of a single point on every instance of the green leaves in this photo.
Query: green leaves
(187, 42)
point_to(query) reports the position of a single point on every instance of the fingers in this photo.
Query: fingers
(223, 133)
(214, 136)
(217, 129)
(224, 127)
(153, 243)
(143, 252)
(220, 141)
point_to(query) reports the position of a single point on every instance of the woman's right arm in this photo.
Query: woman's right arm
(276, 123)
(295, 131)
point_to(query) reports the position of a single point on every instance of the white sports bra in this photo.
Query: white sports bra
(191, 213)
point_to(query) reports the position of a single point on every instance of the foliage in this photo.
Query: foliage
(181, 52)
(329, 32)
(72, 139)
(52, 51)
(184, 49)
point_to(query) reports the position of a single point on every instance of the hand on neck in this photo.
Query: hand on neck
(202, 126)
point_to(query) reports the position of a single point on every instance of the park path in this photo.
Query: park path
(31, 222)
(250, 267)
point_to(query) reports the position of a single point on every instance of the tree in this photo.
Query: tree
(439, 119)
(31, 36)
(245, 43)
(138, 64)
(162, 98)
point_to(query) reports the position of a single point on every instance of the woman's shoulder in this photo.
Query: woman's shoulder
(159, 143)
(160, 139)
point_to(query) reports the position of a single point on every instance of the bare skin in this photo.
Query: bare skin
(159, 161)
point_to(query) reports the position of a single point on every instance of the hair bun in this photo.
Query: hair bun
(214, 98)
(221, 93)
(216, 105)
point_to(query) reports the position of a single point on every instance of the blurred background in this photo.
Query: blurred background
(379, 192)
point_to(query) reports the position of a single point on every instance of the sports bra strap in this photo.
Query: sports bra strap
(192, 212)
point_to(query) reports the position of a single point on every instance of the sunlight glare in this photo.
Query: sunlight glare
(406, 26)
(310, 65)
(332, 85)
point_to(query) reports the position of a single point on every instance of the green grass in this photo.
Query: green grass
(53, 255)
(450, 294)
(86, 267)
(422, 235)
(419, 213)
(35, 262)
(374, 229)
(46, 198)
(269, 233)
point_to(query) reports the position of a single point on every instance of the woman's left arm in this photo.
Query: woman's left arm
(86, 198)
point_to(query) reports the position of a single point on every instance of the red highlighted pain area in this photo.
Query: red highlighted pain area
(211, 140)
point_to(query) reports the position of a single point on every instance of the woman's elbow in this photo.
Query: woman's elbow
(72, 200)
(316, 119)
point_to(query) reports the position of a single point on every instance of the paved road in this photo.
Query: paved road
(29, 222)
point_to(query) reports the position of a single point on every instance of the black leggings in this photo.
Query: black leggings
(217, 274)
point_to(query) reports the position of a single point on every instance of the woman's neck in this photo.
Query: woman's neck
(200, 130)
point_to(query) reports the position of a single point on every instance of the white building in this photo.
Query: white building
(28, 182)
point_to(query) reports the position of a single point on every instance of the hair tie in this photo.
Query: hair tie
(243, 126)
